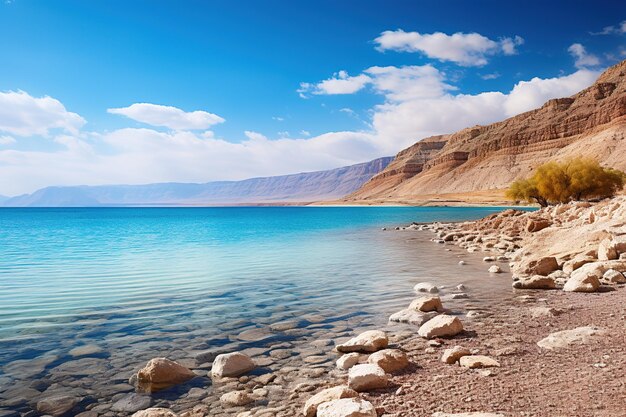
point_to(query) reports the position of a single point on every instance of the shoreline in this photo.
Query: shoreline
(505, 330)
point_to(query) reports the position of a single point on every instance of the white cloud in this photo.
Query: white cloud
(24, 115)
(612, 30)
(397, 83)
(305, 133)
(168, 116)
(7, 140)
(339, 83)
(466, 49)
(278, 118)
(491, 76)
(582, 58)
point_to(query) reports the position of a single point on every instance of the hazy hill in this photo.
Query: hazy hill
(303, 187)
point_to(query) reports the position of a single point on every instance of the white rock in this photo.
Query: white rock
(391, 360)
(335, 393)
(347, 407)
(478, 361)
(236, 399)
(426, 304)
(536, 282)
(366, 377)
(441, 326)
(584, 279)
(155, 412)
(562, 339)
(452, 355)
(614, 277)
(607, 250)
(348, 360)
(411, 316)
(369, 341)
(232, 365)
(425, 287)
(495, 269)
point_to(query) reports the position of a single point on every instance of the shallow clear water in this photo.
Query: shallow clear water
(127, 279)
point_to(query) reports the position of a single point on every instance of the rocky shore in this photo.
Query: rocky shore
(556, 347)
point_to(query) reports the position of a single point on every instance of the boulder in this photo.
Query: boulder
(367, 377)
(564, 338)
(607, 250)
(535, 225)
(612, 276)
(411, 316)
(425, 287)
(584, 279)
(391, 360)
(536, 282)
(329, 394)
(426, 304)
(494, 269)
(478, 361)
(369, 341)
(441, 326)
(348, 360)
(575, 263)
(232, 365)
(452, 355)
(236, 399)
(542, 266)
(57, 405)
(347, 407)
(155, 412)
(161, 373)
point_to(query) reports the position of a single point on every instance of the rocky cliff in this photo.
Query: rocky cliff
(303, 187)
(591, 123)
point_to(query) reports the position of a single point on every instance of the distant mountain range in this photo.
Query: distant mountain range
(480, 159)
(304, 187)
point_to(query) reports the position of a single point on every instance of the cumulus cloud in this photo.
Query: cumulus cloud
(582, 58)
(397, 83)
(168, 116)
(466, 49)
(339, 83)
(24, 115)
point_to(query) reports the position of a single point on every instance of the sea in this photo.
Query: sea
(88, 295)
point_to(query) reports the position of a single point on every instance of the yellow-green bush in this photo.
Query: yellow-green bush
(574, 179)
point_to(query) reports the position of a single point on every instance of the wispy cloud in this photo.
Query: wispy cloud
(612, 30)
(582, 58)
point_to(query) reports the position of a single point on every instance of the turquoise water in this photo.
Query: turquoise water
(191, 279)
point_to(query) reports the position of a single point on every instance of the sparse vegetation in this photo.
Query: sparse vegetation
(561, 182)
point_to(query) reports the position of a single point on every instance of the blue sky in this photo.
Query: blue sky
(259, 67)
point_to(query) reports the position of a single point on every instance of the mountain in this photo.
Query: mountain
(3, 198)
(480, 159)
(304, 187)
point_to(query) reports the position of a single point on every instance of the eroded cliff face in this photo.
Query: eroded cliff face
(591, 123)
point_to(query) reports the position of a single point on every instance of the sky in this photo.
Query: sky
(133, 92)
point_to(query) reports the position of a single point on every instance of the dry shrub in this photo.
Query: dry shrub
(561, 182)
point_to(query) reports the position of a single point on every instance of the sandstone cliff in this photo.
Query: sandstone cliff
(591, 123)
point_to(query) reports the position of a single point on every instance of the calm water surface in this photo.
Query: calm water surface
(137, 281)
